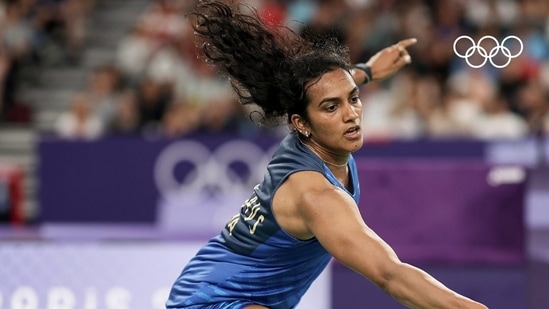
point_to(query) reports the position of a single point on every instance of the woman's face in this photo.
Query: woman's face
(335, 113)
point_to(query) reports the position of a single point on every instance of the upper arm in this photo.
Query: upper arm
(333, 217)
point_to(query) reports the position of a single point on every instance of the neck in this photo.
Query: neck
(334, 164)
(335, 160)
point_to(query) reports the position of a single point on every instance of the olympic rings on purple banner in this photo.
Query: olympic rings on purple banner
(209, 170)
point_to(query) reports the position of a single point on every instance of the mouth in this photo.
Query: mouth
(352, 132)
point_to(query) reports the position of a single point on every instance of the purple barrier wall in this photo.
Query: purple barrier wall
(497, 287)
(442, 210)
(455, 212)
(104, 181)
(465, 217)
(124, 180)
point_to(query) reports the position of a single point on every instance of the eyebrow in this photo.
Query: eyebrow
(333, 99)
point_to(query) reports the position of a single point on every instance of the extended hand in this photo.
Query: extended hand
(390, 59)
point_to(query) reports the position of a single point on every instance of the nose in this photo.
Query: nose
(352, 112)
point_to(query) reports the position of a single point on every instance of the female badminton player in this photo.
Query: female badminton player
(304, 212)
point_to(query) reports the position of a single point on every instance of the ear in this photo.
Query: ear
(300, 125)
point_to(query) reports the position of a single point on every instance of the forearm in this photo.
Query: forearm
(416, 289)
(384, 63)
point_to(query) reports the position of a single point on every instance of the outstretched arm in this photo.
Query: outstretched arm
(332, 216)
(384, 63)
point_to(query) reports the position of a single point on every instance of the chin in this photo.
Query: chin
(356, 145)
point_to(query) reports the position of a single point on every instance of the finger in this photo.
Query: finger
(401, 50)
(403, 57)
(407, 42)
(404, 60)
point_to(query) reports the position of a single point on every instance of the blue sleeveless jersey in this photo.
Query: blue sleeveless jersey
(253, 260)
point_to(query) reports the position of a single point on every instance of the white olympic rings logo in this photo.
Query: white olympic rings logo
(488, 56)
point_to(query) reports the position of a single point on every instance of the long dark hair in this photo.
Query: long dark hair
(268, 65)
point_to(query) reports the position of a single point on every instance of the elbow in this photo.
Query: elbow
(396, 280)
(386, 277)
(389, 280)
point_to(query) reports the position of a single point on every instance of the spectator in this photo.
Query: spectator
(461, 107)
(133, 53)
(6, 97)
(152, 103)
(409, 117)
(169, 66)
(180, 119)
(126, 114)
(74, 14)
(16, 36)
(163, 21)
(17, 32)
(390, 113)
(103, 85)
(498, 122)
(534, 105)
(79, 122)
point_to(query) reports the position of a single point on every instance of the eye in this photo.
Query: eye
(355, 99)
(331, 108)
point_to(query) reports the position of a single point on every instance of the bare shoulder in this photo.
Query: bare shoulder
(306, 199)
(289, 200)
(310, 189)
(308, 180)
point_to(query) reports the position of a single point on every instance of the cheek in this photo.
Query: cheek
(359, 112)
(325, 127)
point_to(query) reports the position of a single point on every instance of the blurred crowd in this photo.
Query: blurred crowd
(34, 34)
(158, 85)
(440, 95)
